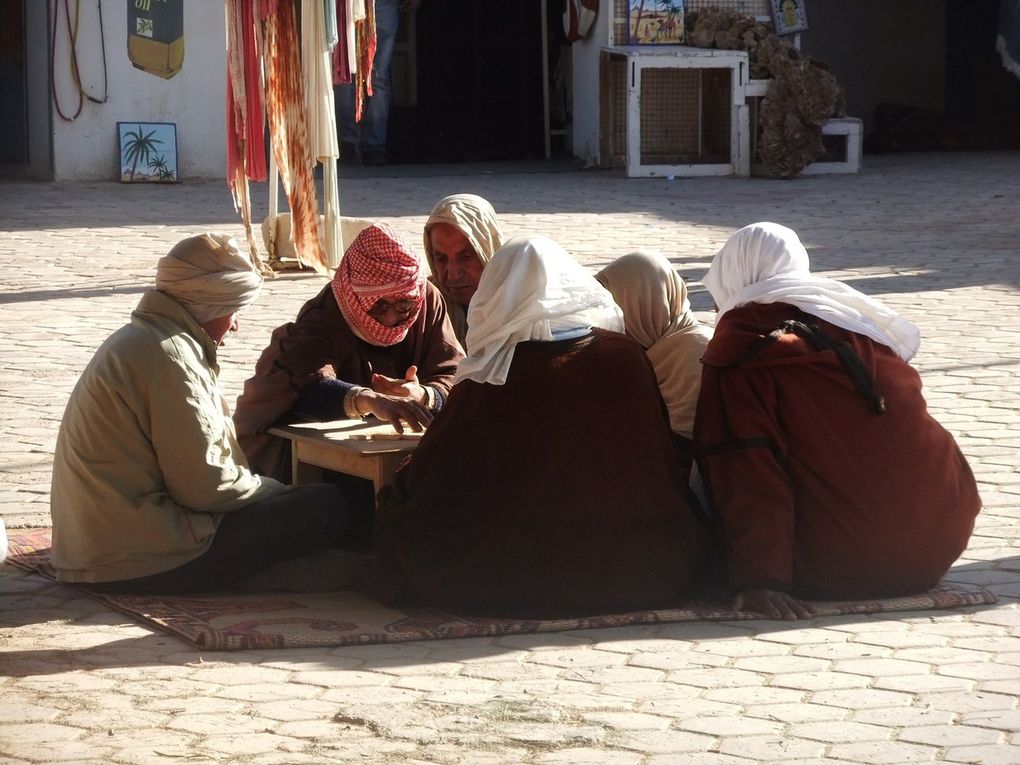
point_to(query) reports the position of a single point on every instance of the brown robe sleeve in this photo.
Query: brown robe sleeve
(741, 450)
(438, 351)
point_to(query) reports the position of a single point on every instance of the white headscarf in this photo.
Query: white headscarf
(659, 317)
(766, 263)
(209, 276)
(530, 290)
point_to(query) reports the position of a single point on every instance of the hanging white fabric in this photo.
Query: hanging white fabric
(317, 72)
(355, 12)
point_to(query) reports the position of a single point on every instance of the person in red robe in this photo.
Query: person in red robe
(376, 341)
(830, 478)
(548, 484)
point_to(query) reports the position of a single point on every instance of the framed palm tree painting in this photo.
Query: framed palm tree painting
(148, 152)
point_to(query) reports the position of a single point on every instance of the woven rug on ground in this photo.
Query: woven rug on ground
(225, 622)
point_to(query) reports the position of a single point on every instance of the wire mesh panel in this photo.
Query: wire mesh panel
(685, 116)
(717, 113)
(670, 116)
(618, 31)
(613, 111)
(619, 75)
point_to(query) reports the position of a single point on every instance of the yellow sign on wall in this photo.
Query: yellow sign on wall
(156, 36)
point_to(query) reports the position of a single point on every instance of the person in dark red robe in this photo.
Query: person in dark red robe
(548, 484)
(375, 341)
(830, 478)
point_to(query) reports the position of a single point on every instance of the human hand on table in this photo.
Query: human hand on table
(408, 388)
(393, 409)
(773, 604)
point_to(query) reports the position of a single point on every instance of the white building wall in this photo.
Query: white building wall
(585, 67)
(194, 99)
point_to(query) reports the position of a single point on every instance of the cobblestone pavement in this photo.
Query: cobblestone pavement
(936, 236)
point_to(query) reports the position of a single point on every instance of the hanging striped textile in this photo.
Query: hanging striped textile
(366, 54)
(246, 150)
(289, 131)
(320, 113)
(342, 70)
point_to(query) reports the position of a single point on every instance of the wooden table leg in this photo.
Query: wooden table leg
(302, 472)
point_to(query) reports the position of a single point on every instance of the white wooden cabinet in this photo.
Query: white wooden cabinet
(699, 158)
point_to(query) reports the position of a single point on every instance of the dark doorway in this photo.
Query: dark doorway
(479, 84)
(13, 106)
(982, 96)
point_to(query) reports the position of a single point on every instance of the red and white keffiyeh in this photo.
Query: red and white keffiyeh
(379, 263)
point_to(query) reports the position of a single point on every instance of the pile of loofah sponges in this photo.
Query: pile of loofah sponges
(803, 93)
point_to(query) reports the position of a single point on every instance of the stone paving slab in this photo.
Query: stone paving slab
(937, 236)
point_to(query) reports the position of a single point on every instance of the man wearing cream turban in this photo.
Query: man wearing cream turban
(461, 235)
(207, 276)
(151, 492)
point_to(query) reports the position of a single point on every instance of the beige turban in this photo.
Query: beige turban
(208, 276)
(474, 217)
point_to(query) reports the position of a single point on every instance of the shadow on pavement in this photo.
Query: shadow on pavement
(159, 649)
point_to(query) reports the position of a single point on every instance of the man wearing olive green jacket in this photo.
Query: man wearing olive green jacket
(151, 492)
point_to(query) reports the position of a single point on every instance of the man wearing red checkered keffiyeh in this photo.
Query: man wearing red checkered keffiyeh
(376, 341)
(379, 270)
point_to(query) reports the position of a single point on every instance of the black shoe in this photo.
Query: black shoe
(348, 154)
(373, 158)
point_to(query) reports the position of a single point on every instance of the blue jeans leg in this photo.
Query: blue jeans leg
(345, 114)
(377, 108)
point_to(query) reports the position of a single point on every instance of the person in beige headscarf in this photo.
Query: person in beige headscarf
(151, 492)
(461, 235)
(658, 315)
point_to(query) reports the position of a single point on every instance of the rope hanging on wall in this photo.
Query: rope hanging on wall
(72, 35)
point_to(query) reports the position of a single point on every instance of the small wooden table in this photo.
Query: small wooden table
(346, 446)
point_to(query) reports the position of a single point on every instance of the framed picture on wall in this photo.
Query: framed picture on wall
(655, 22)
(789, 16)
(148, 152)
